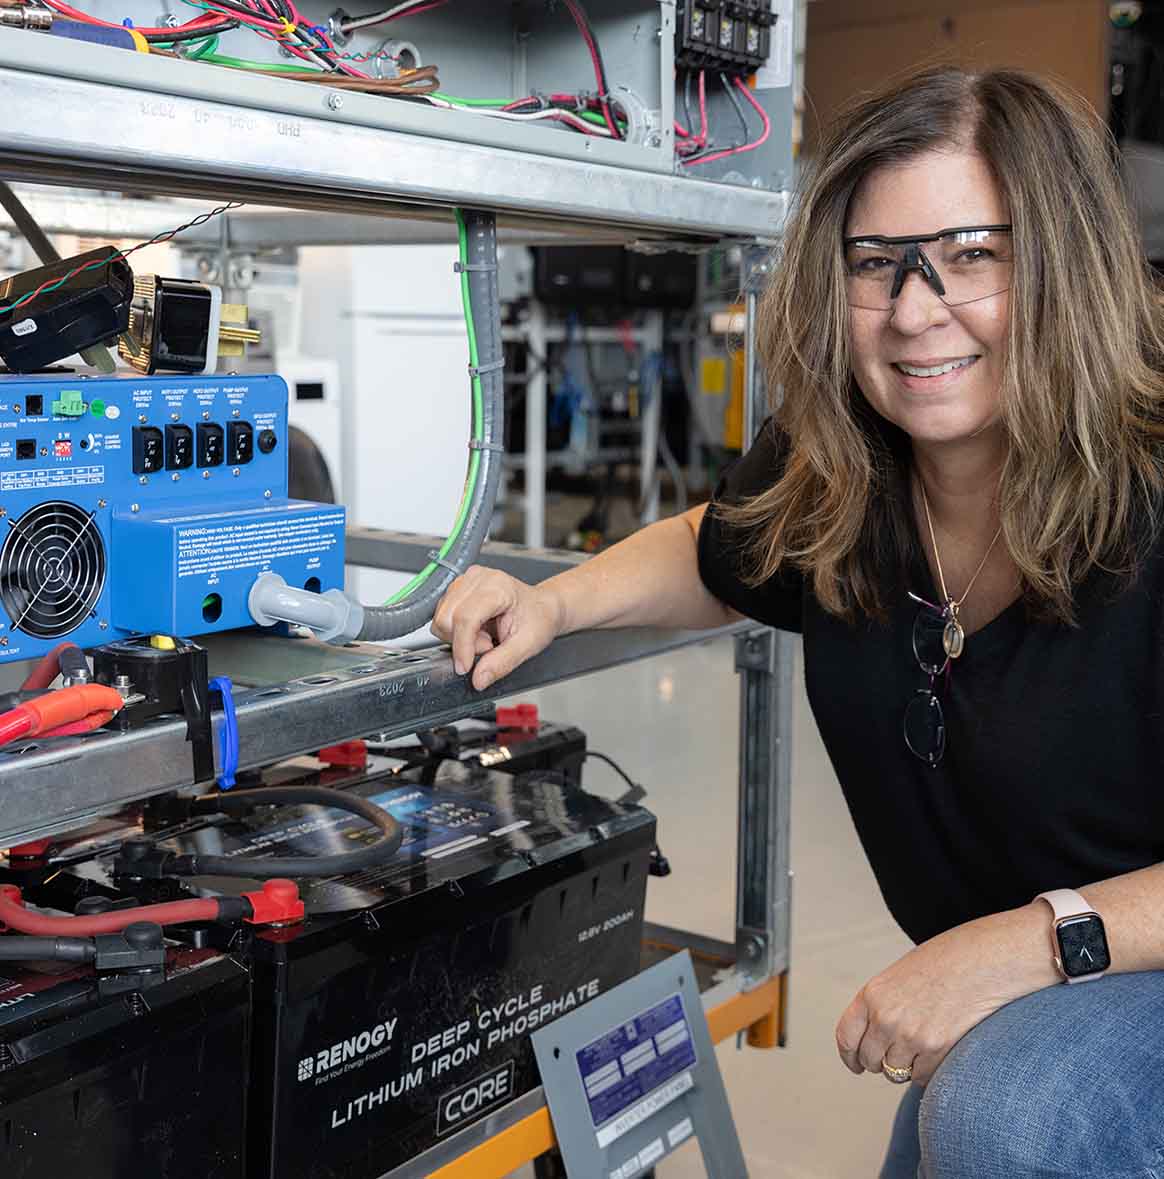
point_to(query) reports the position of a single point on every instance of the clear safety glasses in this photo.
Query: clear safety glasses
(959, 265)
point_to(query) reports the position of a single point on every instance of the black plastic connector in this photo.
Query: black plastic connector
(88, 308)
(143, 859)
(130, 961)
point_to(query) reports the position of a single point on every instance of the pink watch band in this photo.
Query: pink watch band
(1066, 902)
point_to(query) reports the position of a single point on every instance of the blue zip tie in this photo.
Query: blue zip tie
(229, 737)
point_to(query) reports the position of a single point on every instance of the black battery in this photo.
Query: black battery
(143, 1085)
(399, 1011)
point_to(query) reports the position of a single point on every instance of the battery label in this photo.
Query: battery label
(255, 544)
(622, 1069)
(50, 477)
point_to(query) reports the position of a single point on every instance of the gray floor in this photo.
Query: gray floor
(672, 722)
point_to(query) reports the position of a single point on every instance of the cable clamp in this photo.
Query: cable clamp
(474, 267)
(435, 557)
(228, 739)
(481, 444)
(288, 29)
(479, 370)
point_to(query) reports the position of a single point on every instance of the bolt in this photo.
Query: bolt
(236, 472)
(266, 495)
(205, 474)
(3, 640)
(175, 477)
(3, 513)
(206, 415)
(122, 681)
(143, 480)
(335, 102)
(135, 507)
(16, 409)
(44, 452)
(234, 413)
(103, 625)
(174, 417)
(141, 417)
(102, 504)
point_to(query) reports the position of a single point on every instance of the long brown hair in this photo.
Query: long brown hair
(1082, 389)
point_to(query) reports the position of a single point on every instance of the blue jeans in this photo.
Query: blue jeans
(1067, 1083)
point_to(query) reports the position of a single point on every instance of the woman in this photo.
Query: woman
(958, 505)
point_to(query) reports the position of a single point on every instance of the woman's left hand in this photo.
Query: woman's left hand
(913, 1013)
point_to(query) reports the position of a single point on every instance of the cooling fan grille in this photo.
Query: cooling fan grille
(52, 569)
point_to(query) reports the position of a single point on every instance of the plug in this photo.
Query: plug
(180, 326)
(82, 301)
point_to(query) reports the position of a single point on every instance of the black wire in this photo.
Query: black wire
(614, 766)
(731, 93)
(201, 219)
(266, 868)
(191, 34)
(47, 949)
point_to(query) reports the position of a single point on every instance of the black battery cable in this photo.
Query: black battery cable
(141, 857)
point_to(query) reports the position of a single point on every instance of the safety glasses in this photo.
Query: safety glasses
(960, 265)
(925, 722)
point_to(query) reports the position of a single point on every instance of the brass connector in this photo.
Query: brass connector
(233, 333)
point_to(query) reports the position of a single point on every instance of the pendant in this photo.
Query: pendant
(953, 636)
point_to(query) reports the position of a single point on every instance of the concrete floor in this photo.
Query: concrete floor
(799, 1113)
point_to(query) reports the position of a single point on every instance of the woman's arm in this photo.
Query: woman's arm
(649, 579)
(919, 1008)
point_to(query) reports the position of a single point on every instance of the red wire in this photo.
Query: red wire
(593, 48)
(702, 106)
(46, 670)
(76, 14)
(17, 917)
(14, 725)
(733, 151)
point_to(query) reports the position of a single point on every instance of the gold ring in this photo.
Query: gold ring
(899, 1076)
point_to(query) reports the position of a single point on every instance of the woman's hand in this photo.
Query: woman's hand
(913, 1013)
(490, 614)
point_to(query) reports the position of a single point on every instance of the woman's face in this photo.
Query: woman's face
(939, 190)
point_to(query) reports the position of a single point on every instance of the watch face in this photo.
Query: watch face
(1083, 945)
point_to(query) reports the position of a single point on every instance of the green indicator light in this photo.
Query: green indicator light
(97, 409)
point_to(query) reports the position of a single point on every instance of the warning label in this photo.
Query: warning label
(255, 544)
(51, 477)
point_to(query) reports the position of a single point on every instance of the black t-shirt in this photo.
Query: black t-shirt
(1051, 776)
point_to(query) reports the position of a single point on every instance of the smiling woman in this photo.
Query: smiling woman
(958, 503)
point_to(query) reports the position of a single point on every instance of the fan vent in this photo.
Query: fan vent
(52, 569)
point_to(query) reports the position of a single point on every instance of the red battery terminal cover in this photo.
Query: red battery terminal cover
(352, 755)
(276, 903)
(517, 716)
(10, 892)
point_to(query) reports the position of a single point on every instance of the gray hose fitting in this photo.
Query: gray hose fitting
(333, 616)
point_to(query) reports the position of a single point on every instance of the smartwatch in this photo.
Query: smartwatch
(1077, 936)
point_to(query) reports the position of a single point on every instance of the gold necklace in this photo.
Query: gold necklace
(953, 636)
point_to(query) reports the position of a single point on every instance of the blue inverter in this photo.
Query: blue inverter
(137, 505)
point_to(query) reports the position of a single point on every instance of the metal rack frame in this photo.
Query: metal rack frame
(274, 145)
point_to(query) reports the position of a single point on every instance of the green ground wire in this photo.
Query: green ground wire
(478, 426)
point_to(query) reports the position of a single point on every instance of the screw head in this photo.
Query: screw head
(102, 504)
(102, 625)
(335, 102)
(267, 494)
(44, 452)
(205, 474)
(175, 477)
(174, 417)
(3, 640)
(236, 472)
(141, 417)
(234, 413)
(206, 415)
(143, 480)
(654, 141)
(135, 507)
(16, 409)
(3, 513)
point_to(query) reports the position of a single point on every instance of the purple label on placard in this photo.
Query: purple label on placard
(628, 1062)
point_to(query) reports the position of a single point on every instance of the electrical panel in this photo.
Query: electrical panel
(730, 36)
(139, 505)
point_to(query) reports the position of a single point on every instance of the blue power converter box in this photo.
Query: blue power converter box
(140, 505)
